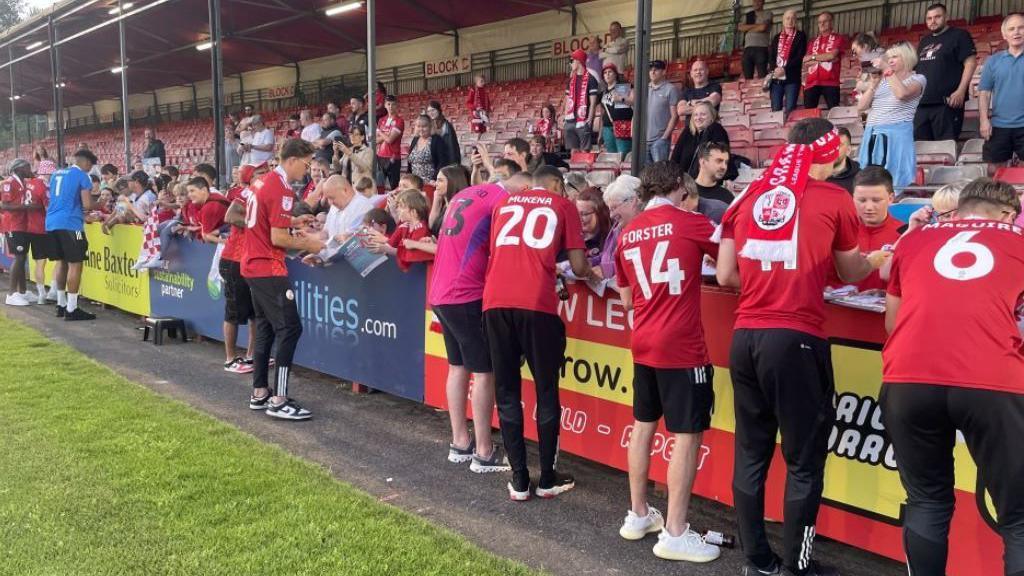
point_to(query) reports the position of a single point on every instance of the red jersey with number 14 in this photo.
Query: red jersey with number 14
(659, 258)
(269, 206)
(528, 230)
(960, 285)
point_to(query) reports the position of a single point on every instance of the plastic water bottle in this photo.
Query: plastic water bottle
(719, 539)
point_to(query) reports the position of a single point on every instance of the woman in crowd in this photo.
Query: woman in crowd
(451, 180)
(867, 50)
(623, 204)
(445, 129)
(787, 51)
(891, 102)
(615, 123)
(44, 166)
(704, 127)
(354, 162)
(597, 223)
(539, 156)
(426, 151)
(547, 127)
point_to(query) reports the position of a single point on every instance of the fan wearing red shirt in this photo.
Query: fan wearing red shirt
(37, 193)
(954, 361)
(268, 221)
(779, 241)
(389, 142)
(407, 241)
(528, 230)
(479, 105)
(659, 258)
(16, 203)
(238, 307)
(824, 61)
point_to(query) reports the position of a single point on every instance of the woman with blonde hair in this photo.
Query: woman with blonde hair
(704, 127)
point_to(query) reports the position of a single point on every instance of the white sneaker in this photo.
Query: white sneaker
(17, 299)
(636, 527)
(51, 296)
(41, 298)
(688, 546)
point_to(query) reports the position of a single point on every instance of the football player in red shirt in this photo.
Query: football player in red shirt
(659, 258)
(237, 298)
(779, 240)
(963, 277)
(268, 219)
(529, 229)
(16, 203)
(37, 193)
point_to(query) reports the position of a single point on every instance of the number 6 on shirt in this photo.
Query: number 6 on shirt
(984, 261)
(671, 274)
(506, 238)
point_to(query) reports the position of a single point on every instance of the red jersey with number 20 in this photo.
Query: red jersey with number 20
(659, 258)
(527, 231)
(960, 285)
(269, 206)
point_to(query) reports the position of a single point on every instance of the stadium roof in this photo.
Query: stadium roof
(161, 38)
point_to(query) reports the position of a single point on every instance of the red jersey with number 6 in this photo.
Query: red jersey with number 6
(269, 206)
(528, 230)
(960, 285)
(659, 258)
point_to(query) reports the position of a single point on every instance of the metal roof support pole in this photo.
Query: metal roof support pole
(14, 122)
(124, 93)
(574, 17)
(58, 107)
(641, 55)
(371, 76)
(217, 79)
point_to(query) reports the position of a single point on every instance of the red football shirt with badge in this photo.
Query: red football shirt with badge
(405, 256)
(12, 191)
(777, 295)
(528, 230)
(870, 239)
(269, 206)
(233, 248)
(960, 285)
(659, 257)
(211, 213)
(36, 219)
(825, 73)
(391, 150)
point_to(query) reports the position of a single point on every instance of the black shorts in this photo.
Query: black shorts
(1002, 145)
(237, 298)
(17, 243)
(42, 246)
(68, 246)
(684, 396)
(465, 340)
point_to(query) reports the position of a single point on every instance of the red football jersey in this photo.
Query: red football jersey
(211, 213)
(659, 257)
(13, 191)
(960, 285)
(404, 256)
(774, 295)
(527, 231)
(869, 240)
(36, 192)
(233, 248)
(269, 206)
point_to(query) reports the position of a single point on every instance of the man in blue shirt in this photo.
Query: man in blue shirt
(1002, 79)
(70, 197)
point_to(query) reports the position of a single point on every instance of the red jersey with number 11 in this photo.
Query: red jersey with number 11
(528, 230)
(269, 206)
(659, 258)
(960, 285)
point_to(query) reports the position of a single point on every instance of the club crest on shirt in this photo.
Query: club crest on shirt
(775, 208)
(286, 202)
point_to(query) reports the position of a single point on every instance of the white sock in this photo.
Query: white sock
(41, 290)
(72, 302)
(62, 298)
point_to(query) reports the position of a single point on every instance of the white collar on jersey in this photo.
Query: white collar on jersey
(658, 202)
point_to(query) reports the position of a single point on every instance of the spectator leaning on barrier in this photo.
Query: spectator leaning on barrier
(427, 151)
(786, 56)
(846, 168)
(672, 372)
(411, 242)
(596, 222)
(624, 204)
(617, 47)
(778, 241)
(662, 98)
(451, 180)
(348, 208)
(581, 97)
(615, 122)
(389, 142)
(446, 131)
(824, 61)
(757, 30)
(947, 59)
(973, 270)
(704, 127)
(479, 105)
(212, 206)
(1002, 89)
(702, 90)
(713, 161)
(891, 103)
(878, 231)
(154, 147)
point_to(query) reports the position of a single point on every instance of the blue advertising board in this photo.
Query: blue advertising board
(366, 330)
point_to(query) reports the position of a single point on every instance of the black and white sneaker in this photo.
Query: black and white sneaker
(775, 569)
(289, 410)
(61, 311)
(496, 463)
(559, 484)
(519, 487)
(458, 455)
(78, 314)
(259, 402)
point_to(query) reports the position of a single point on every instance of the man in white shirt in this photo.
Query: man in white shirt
(262, 147)
(310, 130)
(348, 209)
(616, 47)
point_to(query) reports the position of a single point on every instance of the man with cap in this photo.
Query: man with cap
(580, 104)
(662, 98)
(70, 198)
(20, 201)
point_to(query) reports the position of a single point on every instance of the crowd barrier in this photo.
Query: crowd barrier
(379, 332)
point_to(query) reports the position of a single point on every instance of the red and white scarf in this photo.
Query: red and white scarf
(774, 200)
(576, 103)
(785, 45)
(822, 45)
(150, 250)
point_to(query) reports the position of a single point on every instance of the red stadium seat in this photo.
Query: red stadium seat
(1011, 175)
(797, 115)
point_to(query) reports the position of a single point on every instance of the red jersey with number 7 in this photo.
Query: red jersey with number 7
(269, 206)
(960, 285)
(528, 230)
(659, 257)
